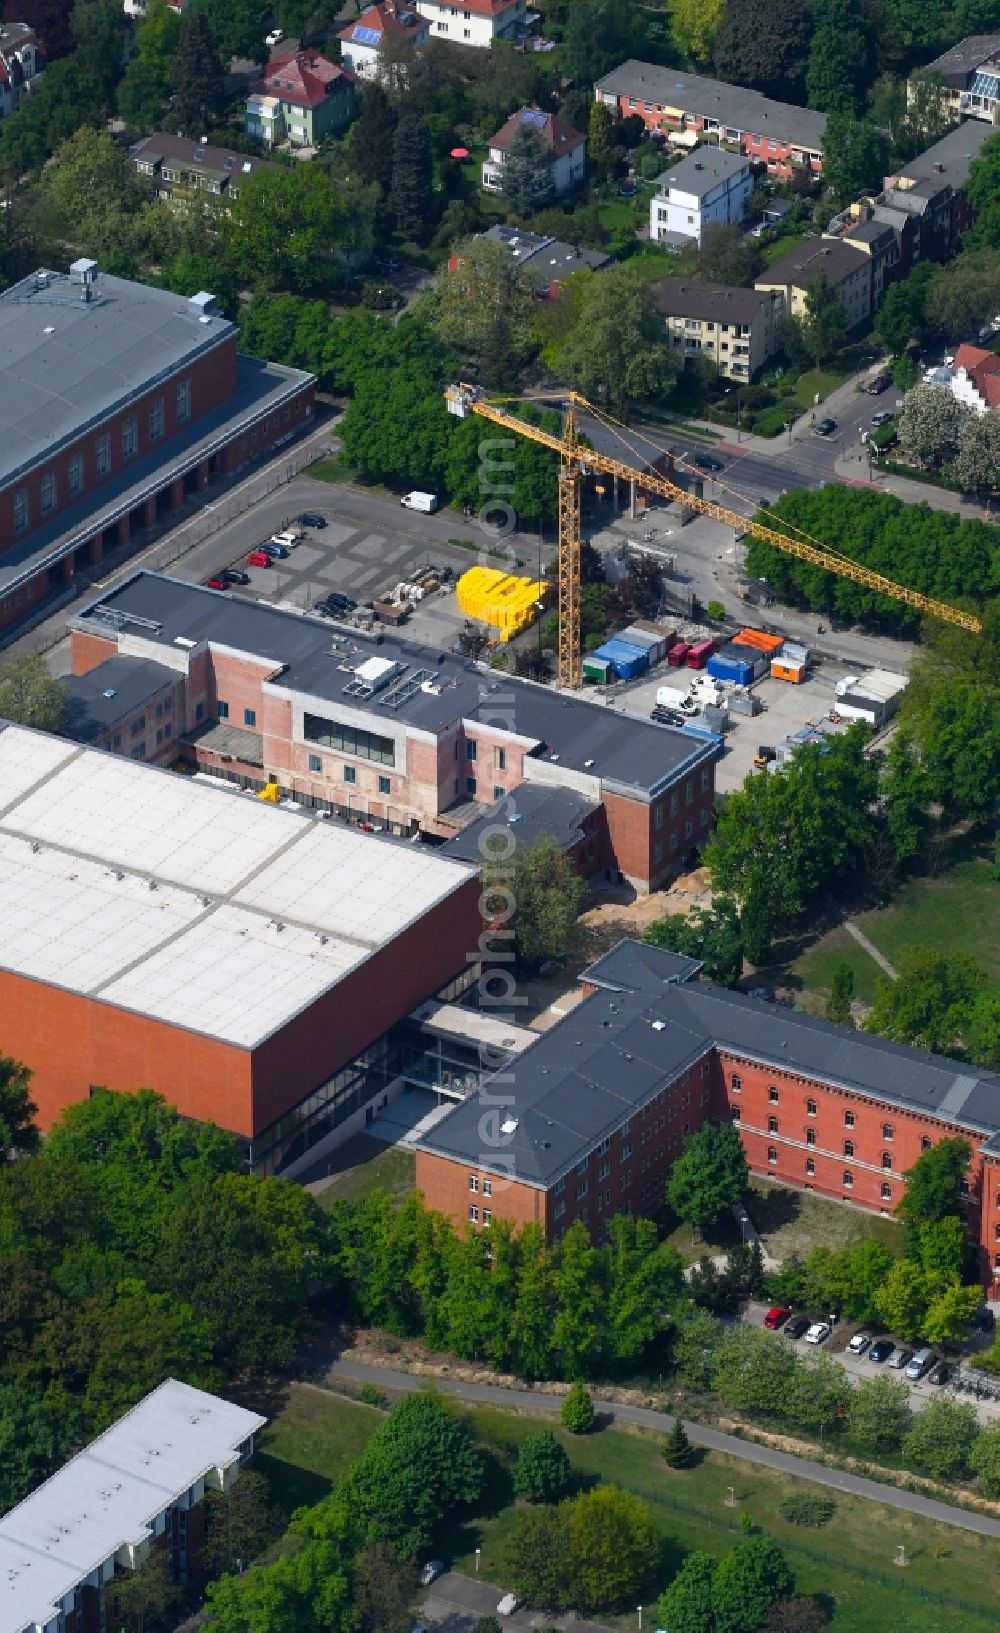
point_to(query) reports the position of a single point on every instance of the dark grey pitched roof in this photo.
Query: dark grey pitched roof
(946, 164)
(575, 734)
(528, 812)
(546, 259)
(112, 692)
(699, 172)
(830, 255)
(959, 61)
(731, 105)
(646, 1024)
(718, 303)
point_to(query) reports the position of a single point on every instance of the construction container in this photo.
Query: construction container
(650, 644)
(626, 660)
(771, 644)
(507, 603)
(795, 652)
(699, 654)
(724, 667)
(784, 668)
(664, 638)
(743, 702)
(738, 653)
(678, 653)
(597, 671)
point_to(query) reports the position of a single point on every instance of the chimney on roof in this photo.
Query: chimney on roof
(203, 306)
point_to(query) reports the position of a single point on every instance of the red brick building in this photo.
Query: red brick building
(398, 736)
(587, 1122)
(115, 401)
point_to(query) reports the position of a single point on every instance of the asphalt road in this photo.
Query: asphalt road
(801, 1468)
(456, 1602)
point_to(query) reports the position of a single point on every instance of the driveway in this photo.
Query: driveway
(455, 1603)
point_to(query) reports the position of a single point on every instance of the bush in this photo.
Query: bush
(486, 1624)
(578, 1411)
(715, 610)
(770, 422)
(369, 1395)
(543, 1469)
(808, 1508)
(677, 1448)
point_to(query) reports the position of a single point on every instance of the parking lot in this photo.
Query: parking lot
(456, 1602)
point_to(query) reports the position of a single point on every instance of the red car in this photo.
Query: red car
(257, 558)
(776, 1318)
(881, 383)
(215, 584)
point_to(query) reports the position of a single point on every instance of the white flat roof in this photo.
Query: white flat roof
(879, 684)
(156, 892)
(107, 1497)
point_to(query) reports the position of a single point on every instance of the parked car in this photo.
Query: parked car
(277, 552)
(344, 602)
(899, 1358)
(234, 575)
(859, 1343)
(289, 536)
(275, 37)
(883, 417)
(881, 1350)
(257, 558)
(776, 1317)
(939, 1374)
(508, 1604)
(826, 428)
(798, 1325)
(215, 583)
(921, 1363)
(312, 518)
(430, 1572)
(666, 717)
(881, 383)
(819, 1332)
(707, 462)
(326, 611)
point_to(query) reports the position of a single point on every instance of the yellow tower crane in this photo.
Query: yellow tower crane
(463, 400)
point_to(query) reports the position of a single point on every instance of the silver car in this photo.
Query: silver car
(899, 1358)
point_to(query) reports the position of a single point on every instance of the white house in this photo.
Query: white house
(709, 186)
(20, 65)
(475, 22)
(567, 146)
(975, 379)
(388, 23)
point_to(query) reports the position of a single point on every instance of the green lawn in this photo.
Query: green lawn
(363, 1165)
(333, 469)
(794, 1221)
(812, 971)
(315, 1437)
(956, 912)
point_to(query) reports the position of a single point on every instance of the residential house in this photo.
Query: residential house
(302, 98)
(848, 270)
(783, 138)
(180, 170)
(475, 22)
(736, 329)
(975, 379)
(20, 65)
(877, 239)
(970, 73)
(137, 8)
(924, 201)
(566, 146)
(709, 187)
(548, 261)
(388, 25)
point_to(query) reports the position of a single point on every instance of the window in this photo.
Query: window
(473, 1213)
(130, 437)
(604, 1172)
(848, 1148)
(49, 493)
(604, 1148)
(887, 1131)
(810, 1166)
(499, 793)
(810, 1108)
(500, 759)
(772, 1153)
(886, 1193)
(736, 1083)
(487, 1187)
(21, 511)
(560, 1209)
(734, 1112)
(658, 816)
(249, 717)
(102, 455)
(848, 1179)
(223, 710)
(384, 785)
(848, 1119)
(582, 1190)
(75, 475)
(772, 1095)
(183, 401)
(487, 1216)
(673, 805)
(810, 1136)
(625, 1153)
(473, 1183)
(350, 775)
(470, 785)
(925, 1142)
(472, 749)
(156, 419)
(886, 1159)
(139, 752)
(772, 1125)
(581, 1167)
(361, 745)
(315, 763)
(689, 792)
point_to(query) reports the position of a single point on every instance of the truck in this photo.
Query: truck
(427, 502)
(673, 697)
(699, 654)
(678, 654)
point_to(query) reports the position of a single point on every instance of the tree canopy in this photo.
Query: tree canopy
(709, 1176)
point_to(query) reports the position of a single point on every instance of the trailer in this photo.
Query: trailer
(699, 654)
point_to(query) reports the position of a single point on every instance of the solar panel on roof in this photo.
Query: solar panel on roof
(985, 85)
(530, 117)
(366, 36)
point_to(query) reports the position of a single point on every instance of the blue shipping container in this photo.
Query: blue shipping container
(727, 669)
(626, 660)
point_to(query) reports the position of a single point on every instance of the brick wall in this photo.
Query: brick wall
(445, 1188)
(649, 841)
(278, 427)
(90, 650)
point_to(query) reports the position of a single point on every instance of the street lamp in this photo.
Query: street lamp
(478, 1552)
(640, 1619)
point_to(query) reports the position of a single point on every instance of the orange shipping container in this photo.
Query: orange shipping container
(794, 672)
(757, 638)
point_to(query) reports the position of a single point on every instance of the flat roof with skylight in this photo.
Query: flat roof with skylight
(174, 899)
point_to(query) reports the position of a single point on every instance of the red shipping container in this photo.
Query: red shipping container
(678, 654)
(699, 654)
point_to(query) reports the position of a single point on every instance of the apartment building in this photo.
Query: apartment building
(782, 138)
(181, 171)
(565, 147)
(924, 202)
(847, 268)
(970, 73)
(475, 22)
(710, 187)
(736, 329)
(588, 1121)
(21, 65)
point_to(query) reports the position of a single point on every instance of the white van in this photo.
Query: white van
(426, 502)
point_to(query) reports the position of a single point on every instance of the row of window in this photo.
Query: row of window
(847, 1178)
(76, 472)
(487, 1185)
(812, 1110)
(474, 1214)
(249, 715)
(772, 1128)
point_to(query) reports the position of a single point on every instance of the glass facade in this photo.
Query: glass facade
(363, 745)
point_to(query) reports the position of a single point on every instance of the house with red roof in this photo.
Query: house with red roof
(567, 147)
(302, 98)
(20, 65)
(975, 379)
(475, 22)
(386, 26)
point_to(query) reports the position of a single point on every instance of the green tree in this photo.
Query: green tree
(712, 935)
(941, 1438)
(962, 294)
(824, 324)
(838, 58)
(145, 91)
(907, 795)
(614, 350)
(396, 427)
(725, 257)
(239, 27)
(698, 1339)
(934, 1186)
(982, 190)
(420, 1464)
(928, 1003)
(951, 1313)
(282, 229)
(538, 1556)
(838, 1006)
(903, 1299)
(977, 463)
(930, 424)
(694, 25)
(879, 1414)
(384, 1589)
(543, 1469)
(145, 1596)
(677, 1448)
(758, 922)
(614, 1541)
(18, 1131)
(372, 136)
(756, 1372)
(411, 197)
(984, 1459)
(30, 696)
(710, 1175)
(601, 149)
(526, 180)
(577, 1411)
(549, 895)
(240, 1522)
(687, 1606)
(905, 373)
(748, 51)
(644, 1279)
(485, 302)
(854, 156)
(747, 1582)
(198, 77)
(31, 1443)
(902, 317)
